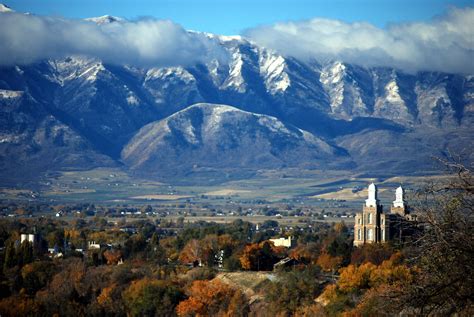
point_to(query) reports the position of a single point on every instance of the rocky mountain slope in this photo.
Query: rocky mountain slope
(221, 136)
(80, 112)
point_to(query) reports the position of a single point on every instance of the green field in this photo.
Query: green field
(325, 189)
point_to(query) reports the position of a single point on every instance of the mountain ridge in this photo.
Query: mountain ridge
(344, 105)
(218, 136)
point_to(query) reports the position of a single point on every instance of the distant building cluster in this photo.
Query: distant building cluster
(372, 225)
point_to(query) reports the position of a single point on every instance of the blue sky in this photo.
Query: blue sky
(231, 17)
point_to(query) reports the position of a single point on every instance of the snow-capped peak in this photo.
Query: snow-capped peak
(273, 69)
(4, 8)
(333, 73)
(105, 19)
(221, 38)
(229, 38)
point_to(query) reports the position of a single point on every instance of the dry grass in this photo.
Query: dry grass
(248, 282)
(160, 197)
(347, 194)
(227, 192)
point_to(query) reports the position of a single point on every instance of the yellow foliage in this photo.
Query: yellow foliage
(19, 306)
(314, 310)
(353, 278)
(104, 296)
(73, 234)
(329, 295)
(209, 298)
(328, 262)
(375, 284)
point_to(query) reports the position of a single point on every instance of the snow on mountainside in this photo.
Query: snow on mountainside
(223, 136)
(32, 140)
(105, 19)
(4, 8)
(349, 89)
(334, 102)
(272, 68)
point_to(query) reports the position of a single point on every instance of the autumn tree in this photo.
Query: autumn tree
(62, 293)
(329, 263)
(155, 251)
(259, 257)
(374, 253)
(19, 305)
(358, 287)
(150, 297)
(36, 275)
(444, 253)
(306, 253)
(113, 256)
(213, 298)
(293, 290)
(192, 252)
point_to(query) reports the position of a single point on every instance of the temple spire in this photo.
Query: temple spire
(399, 202)
(372, 200)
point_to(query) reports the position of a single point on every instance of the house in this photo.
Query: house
(93, 245)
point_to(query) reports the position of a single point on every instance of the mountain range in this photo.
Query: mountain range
(258, 109)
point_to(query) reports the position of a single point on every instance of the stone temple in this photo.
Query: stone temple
(372, 225)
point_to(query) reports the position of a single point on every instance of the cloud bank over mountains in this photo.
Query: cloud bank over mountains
(445, 43)
(28, 38)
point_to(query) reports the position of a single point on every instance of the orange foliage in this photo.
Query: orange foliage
(328, 262)
(353, 278)
(18, 306)
(376, 283)
(249, 255)
(135, 290)
(191, 252)
(208, 298)
(375, 253)
(104, 297)
(73, 234)
(113, 256)
(329, 295)
(205, 248)
(383, 296)
(226, 240)
(99, 237)
(369, 275)
(191, 306)
(308, 253)
(313, 310)
(168, 244)
(261, 256)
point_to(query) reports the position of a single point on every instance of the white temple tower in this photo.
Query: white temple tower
(372, 200)
(367, 227)
(399, 202)
(399, 205)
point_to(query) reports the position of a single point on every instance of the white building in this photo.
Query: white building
(27, 237)
(93, 245)
(283, 242)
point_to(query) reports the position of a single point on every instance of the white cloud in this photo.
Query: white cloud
(445, 43)
(28, 38)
